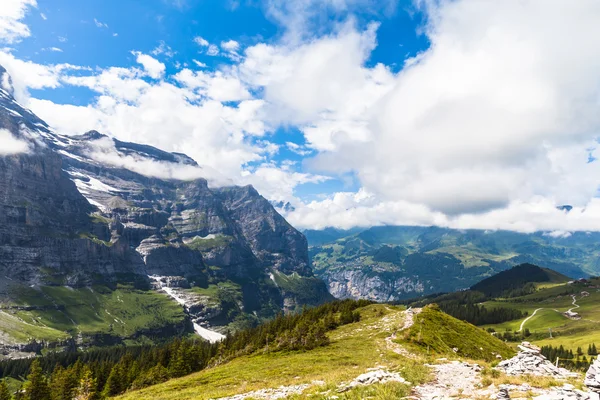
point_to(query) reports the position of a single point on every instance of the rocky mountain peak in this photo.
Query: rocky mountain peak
(6, 82)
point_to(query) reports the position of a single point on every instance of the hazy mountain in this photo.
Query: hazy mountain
(397, 262)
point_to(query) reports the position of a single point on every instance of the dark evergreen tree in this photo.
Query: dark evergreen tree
(114, 383)
(36, 387)
(86, 390)
(4, 392)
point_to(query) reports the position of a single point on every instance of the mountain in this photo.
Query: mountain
(391, 263)
(516, 279)
(88, 221)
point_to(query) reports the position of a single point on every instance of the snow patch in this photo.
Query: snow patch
(73, 156)
(89, 183)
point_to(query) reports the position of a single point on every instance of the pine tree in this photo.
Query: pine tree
(114, 383)
(87, 387)
(62, 384)
(4, 392)
(37, 386)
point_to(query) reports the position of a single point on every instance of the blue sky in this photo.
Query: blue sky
(455, 113)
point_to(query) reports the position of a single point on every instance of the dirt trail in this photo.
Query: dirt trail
(528, 318)
(574, 303)
(454, 380)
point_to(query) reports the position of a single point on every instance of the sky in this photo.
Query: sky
(462, 114)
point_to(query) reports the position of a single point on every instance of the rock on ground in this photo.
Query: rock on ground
(592, 377)
(373, 377)
(530, 361)
(278, 393)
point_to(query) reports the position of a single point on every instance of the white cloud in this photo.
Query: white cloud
(216, 86)
(278, 183)
(11, 14)
(200, 41)
(44, 17)
(11, 145)
(230, 45)
(321, 86)
(54, 49)
(199, 64)
(152, 66)
(164, 49)
(499, 109)
(306, 19)
(491, 127)
(100, 24)
(213, 50)
(29, 75)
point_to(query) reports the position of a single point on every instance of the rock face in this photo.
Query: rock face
(361, 284)
(592, 377)
(89, 209)
(530, 361)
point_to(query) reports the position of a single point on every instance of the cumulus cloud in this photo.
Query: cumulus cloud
(230, 45)
(279, 182)
(11, 145)
(322, 86)
(212, 50)
(29, 75)
(200, 41)
(305, 19)
(11, 14)
(217, 86)
(491, 127)
(152, 66)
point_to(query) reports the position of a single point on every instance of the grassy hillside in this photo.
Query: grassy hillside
(518, 280)
(435, 331)
(96, 313)
(551, 302)
(353, 349)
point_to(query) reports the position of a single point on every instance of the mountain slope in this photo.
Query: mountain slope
(326, 371)
(516, 279)
(93, 212)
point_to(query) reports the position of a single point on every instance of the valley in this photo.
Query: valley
(392, 263)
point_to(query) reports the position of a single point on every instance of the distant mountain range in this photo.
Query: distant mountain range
(390, 263)
(89, 222)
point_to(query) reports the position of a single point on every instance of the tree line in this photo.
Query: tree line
(568, 359)
(465, 306)
(103, 373)
(480, 315)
